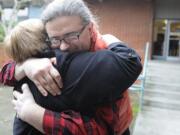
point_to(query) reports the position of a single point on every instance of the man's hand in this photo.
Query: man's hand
(44, 75)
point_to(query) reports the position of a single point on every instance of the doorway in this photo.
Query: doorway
(174, 40)
(166, 40)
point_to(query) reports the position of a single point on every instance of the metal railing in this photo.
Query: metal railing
(142, 77)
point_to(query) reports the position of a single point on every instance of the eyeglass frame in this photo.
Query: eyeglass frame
(59, 40)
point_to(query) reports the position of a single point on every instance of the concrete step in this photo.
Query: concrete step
(161, 85)
(163, 67)
(162, 99)
(161, 88)
(168, 79)
(161, 102)
(162, 93)
(154, 112)
(155, 63)
(163, 74)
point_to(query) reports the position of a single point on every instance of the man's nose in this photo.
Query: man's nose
(64, 46)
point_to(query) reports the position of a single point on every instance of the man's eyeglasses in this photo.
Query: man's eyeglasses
(67, 38)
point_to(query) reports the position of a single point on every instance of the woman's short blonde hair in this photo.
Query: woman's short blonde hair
(26, 40)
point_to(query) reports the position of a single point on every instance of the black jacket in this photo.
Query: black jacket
(90, 78)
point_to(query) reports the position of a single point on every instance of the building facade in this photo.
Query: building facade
(129, 20)
(166, 30)
(137, 22)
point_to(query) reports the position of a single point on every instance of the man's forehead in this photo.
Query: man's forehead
(63, 25)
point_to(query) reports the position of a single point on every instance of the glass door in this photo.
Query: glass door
(166, 40)
(159, 39)
(174, 40)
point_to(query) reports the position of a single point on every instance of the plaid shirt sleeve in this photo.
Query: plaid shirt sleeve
(70, 122)
(7, 74)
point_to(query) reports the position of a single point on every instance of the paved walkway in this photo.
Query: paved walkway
(6, 111)
(160, 114)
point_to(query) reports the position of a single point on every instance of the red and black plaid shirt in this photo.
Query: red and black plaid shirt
(7, 74)
(71, 122)
(67, 122)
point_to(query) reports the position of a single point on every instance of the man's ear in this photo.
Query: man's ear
(91, 28)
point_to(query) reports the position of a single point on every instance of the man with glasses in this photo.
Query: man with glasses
(68, 38)
(71, 28)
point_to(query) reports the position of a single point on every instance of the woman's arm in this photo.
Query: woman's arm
(27, 109)
(7, 73)
(49, 122)
(40, 71)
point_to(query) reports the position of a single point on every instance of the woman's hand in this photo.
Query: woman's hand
(23, 101)
(26, 108)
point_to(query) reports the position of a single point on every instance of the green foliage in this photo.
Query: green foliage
(2, 33)
(136, 109)
(2, 30)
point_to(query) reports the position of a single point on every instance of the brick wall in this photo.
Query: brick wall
(130, 20)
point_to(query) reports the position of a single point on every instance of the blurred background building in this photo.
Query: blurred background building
(135, 22)
(139, 21)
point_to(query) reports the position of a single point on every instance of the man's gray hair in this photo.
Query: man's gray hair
(59, 8)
